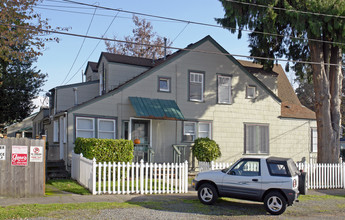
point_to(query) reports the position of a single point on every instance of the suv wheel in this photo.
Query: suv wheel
(275, 203)
(207, 194)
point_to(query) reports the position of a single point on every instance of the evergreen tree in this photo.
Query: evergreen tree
(20, 83)
(295, 29)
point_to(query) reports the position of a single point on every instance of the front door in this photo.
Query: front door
(141, 131)
(243, 180)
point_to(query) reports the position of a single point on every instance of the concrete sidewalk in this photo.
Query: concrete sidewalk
(74, 198)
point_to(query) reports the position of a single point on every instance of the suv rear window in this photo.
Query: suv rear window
(277, 169)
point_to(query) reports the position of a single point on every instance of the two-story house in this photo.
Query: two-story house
(167, 103)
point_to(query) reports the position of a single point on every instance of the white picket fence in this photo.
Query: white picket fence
(324, 176)
(320, 176)
(128, 178)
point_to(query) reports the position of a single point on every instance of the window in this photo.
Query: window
(314, 140)
(189, 131)
(224, 89)
(251, 92)
(85, 127)
(106, 129)
(204, 130)
(56, 131)
(246, 168)
(256, 139)
(196, 86)
(193, 130)
(277, 169)
(163, 84)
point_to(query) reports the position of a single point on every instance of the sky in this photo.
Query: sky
(64, 65)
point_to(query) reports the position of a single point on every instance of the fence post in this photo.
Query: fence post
(94, 176)
(343, 175)
(212, 165)
(186, 176)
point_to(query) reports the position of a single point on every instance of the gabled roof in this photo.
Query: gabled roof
(117, 58)
(75, 85)
(285, 90)
(159, 63)
(92, 65)
(291, 107)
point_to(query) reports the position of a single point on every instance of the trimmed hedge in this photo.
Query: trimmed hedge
(205, 149)
(105, 150)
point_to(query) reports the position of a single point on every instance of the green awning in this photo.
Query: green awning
(26, 129)
(156, 108)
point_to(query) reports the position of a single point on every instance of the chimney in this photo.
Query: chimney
(75, 90)
(153, 57)
(165, 48)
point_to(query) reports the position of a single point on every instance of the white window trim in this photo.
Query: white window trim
(230, 97)
(202, 86)
(187, 133)
(168, 82)
(87, 118)
(100, 131)
(197, 129)
(209, 128)
(313, 149)
(247, 95)
(245, 137)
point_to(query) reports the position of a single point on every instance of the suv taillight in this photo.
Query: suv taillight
(294, 183)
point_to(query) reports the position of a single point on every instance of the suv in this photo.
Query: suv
(272, 180)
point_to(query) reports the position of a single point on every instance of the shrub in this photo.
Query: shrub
(105, 150)
(205, 149)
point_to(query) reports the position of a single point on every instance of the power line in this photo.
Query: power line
(169, 47)
(205, 24)
(184, 28)
(285, 9)
(81, 46)
(87, 59)
(101, 15)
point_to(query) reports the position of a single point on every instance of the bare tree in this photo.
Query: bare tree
(146, 42)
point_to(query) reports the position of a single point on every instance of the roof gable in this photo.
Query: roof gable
(162, 62)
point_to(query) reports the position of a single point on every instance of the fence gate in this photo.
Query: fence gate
(22, 167)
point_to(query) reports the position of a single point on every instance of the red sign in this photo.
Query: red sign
(19, 155)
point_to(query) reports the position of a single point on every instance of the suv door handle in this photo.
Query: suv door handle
(255, 180)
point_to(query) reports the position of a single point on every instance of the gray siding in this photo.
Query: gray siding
(118, 73)
(65, 95)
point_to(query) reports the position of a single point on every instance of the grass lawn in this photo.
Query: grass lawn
(54, 187)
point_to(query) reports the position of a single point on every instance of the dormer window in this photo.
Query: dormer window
(164, 84)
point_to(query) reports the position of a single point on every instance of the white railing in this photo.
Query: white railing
(126, 178)
(320, 176)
